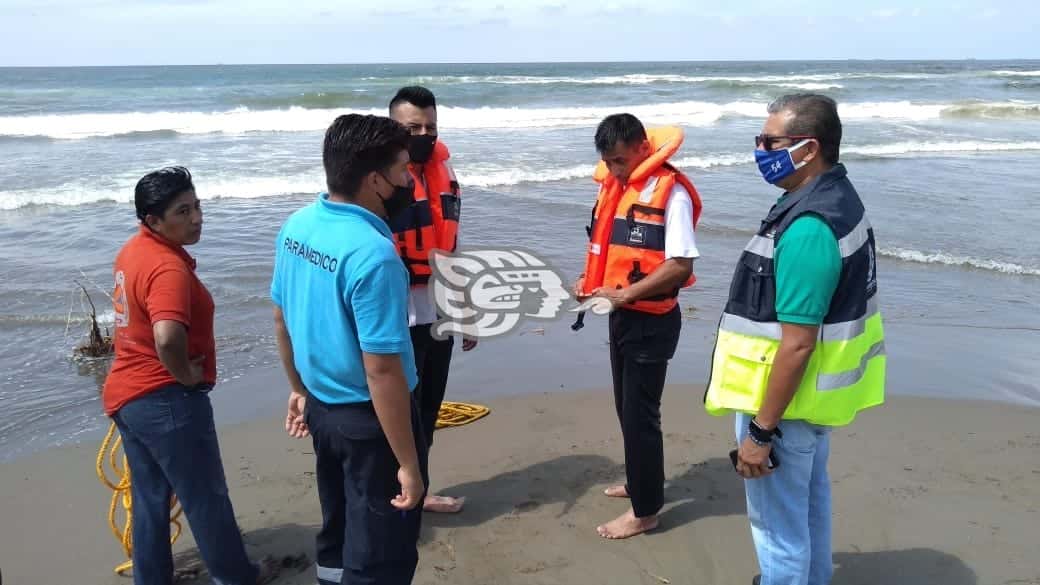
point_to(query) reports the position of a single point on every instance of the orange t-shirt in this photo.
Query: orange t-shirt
(155, 281)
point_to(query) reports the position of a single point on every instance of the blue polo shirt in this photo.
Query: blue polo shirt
(343, 290)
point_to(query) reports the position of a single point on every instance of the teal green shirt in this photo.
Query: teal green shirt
(808, 265)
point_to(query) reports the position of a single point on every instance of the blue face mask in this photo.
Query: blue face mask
(777, 165)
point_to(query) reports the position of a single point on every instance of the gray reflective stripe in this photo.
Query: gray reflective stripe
(330, 574)
(849, 329)
(825, 382)
(855, 239)
(647, 194)
(760, 246)
(828, 332)
(848, 245)
(744, 326)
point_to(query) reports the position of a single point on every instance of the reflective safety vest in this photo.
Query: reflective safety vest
(627, 233)
(846, 372)
(432, 222)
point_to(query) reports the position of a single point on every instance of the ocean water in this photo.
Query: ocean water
(945, 154)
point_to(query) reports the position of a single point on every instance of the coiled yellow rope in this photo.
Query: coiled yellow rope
(452, 414)
(121, 493)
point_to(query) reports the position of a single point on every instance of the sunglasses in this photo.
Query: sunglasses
(767, 142)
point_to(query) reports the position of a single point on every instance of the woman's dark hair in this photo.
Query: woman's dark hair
(356, 145)
(156, 191)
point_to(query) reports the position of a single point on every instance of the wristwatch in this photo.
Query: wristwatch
(760, 436)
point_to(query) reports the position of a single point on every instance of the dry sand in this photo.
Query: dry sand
(925, 492)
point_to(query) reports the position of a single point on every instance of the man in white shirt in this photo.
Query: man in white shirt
(641, 252)
(680, 237)
(430, 223)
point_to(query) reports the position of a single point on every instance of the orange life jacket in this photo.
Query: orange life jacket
(627, 234)
(432, 222)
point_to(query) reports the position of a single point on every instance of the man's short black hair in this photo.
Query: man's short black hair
(416, 95)
(156, 191)
(812, 115)
(623, 128)
(356, 145)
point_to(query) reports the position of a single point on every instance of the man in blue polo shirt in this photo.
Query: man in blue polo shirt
(341, 316)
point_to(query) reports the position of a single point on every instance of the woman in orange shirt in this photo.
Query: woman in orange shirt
(157, 389)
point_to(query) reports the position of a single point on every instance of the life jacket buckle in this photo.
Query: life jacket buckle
(636, 274)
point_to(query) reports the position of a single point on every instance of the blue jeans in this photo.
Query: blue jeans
(790, 509)
(170, 442)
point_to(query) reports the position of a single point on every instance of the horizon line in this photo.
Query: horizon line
(582, 62)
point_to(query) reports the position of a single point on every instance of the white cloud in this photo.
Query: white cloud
(886, 13)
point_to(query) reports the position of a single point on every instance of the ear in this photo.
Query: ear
(152, 221)
(374, 180)
(812, 150)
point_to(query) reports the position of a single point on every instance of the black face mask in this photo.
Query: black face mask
(399, 200)
(420, 148)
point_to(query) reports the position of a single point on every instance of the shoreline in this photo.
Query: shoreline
(925, 491)
(249, 397)
(522, 358)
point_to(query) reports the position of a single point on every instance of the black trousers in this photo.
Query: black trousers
(432, 362)
(363, 540)
(640, 346)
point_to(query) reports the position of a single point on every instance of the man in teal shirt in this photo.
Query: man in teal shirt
(802, 310)
(807, 264)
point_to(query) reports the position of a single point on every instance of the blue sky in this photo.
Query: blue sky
(155, 32)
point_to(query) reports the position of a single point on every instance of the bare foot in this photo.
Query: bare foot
(616, 491)
(626, 525)
(443, 504)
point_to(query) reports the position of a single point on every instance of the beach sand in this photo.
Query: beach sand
(925, 492)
